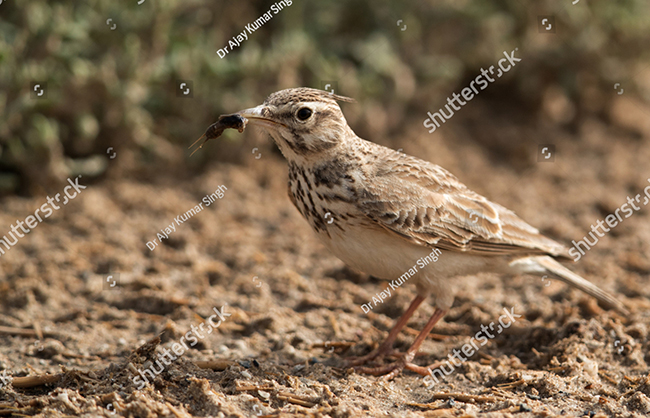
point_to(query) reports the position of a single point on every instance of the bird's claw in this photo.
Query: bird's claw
(379, 353)
(390, 371)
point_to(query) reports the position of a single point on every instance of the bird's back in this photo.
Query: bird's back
(426, 204)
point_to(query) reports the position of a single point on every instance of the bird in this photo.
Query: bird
(379, 211)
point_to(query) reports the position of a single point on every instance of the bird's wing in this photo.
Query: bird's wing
(426, 204)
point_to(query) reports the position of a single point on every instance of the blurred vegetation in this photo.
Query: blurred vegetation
(112, 85)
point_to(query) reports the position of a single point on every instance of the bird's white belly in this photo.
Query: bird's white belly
(387, 256)
(373, 251)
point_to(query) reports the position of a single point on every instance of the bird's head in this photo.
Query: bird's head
(301, 121)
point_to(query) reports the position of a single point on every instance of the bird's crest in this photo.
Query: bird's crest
(304, 94)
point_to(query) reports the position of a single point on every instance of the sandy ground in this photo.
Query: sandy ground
(294, 309)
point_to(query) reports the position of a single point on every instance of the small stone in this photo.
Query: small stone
(298, 367)
(525, 408)
(264, 394)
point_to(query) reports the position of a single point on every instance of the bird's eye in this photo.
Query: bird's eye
(304, 113)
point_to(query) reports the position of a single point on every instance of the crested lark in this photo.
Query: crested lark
(390, 209)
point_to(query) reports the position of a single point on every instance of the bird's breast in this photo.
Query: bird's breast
(324, 198)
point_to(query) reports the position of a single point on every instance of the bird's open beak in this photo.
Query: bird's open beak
(255, 116)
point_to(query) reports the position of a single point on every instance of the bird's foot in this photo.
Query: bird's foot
(378, 353)
(390, 371)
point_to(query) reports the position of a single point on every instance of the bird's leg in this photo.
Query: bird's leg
(387, 345)
(391, 370)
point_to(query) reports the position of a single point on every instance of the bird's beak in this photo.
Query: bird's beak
(255, 116)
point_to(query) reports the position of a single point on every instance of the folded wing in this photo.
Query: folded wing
(425, 204)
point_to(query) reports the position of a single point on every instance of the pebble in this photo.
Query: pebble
(264, 394)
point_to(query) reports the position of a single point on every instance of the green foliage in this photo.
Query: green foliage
(119, 88)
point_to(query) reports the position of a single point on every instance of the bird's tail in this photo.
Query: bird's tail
(545, 264)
